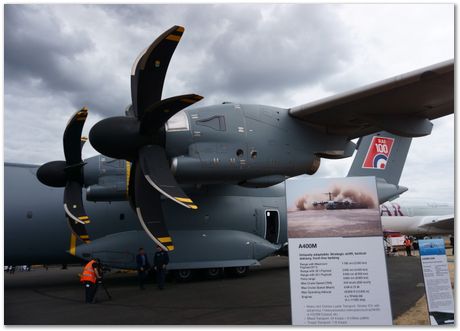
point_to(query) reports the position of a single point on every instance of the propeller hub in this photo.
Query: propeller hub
(117, 137)
(53, 174)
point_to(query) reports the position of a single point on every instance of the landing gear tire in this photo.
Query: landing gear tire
(213, 273)
(238, 271)
(184, 275)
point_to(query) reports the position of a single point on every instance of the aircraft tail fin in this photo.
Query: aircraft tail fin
(382, 155)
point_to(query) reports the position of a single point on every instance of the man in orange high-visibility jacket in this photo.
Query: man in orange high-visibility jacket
(89, 278)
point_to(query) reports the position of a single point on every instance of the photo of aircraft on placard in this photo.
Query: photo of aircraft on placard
(309, 219)
(331, 204)
(204, 183)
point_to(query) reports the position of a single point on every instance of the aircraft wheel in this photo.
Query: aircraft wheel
(213, 273)
(238, 271)
(184, 275)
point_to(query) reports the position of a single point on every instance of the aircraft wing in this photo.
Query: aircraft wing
(403, 105)
(445, 222)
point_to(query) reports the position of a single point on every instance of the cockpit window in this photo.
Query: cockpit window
(178, 122)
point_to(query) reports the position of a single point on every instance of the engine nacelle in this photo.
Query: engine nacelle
(232, 169)
(114, 192)
(106, 179)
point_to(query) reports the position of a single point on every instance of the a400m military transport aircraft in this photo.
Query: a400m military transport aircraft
(207, 184)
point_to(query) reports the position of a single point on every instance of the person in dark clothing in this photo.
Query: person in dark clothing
(160, 261)
(142, 267)
(452, 243)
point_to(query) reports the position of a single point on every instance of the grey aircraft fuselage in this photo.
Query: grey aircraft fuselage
(229, 229)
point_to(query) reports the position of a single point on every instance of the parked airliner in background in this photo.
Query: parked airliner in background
(418, 218)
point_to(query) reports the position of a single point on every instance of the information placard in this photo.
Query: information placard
(437, 281)
(336, 255)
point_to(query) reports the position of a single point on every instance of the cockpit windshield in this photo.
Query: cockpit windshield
(178, 122)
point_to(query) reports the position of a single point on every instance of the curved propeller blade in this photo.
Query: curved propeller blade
(156, 170)
(161, 111)
(76, 214)
(79, 230)
(149, 70)
(149, 212)
(72, 138)
(83, 140)
(73, 202)
(130, 170)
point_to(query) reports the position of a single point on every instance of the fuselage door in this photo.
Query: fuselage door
(272, 225)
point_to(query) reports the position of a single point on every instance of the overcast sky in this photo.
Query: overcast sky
(59, 58)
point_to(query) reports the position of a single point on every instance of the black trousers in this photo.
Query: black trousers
(408, 251)
(90, 291)
(161, 274)
(142, 275)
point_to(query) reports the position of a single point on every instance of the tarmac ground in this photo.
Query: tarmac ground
(55, 297)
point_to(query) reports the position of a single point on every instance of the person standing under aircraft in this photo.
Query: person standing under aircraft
(142, 267)
(407, 244)
(89, 278)
(452, 243)
(160, 261)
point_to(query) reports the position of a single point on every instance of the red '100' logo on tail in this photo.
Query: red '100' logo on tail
(378, 153)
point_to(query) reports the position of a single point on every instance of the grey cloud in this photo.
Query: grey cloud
(251, 53)
(143, 16)
(243, 52)
(45, 55)
(246, 53)
(38, 47)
